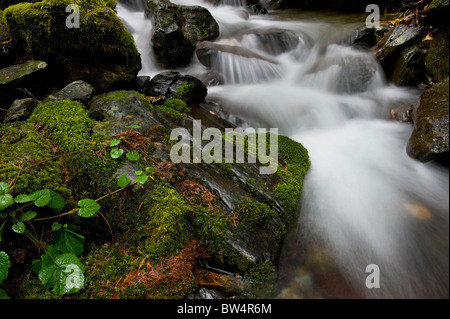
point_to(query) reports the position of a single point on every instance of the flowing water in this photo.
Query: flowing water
(364, 200)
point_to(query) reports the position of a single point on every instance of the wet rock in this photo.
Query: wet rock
(363, 38)
(403, 113)
(21, 110)
(356, 75)
(275, 41)
(143, 84)
(178, 30)
(76, 91)
(437, 60)
(410, 67)
(256, 9)
(29, 75)
(399, 39)
(430, 137)
(168, 82)
(123, 108)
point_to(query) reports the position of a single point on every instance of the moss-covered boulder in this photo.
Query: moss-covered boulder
(177, 31)
(430, 138)
(123, 109)
(100, 52)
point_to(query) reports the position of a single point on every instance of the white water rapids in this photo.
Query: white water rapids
(364, 200)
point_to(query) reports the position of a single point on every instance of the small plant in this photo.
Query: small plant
(59, 267)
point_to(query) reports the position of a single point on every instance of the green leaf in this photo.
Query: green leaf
(142, 179)
(56, 203)
(65, 273)
(133, 156)
(139, 173)
(114, 142)
(4, 265)
(41, 197)
(6, 200)
(4, 188)
(89, 208)
(56, 226)
(68, 241)
(133, 126)
(116, 152)
(27, 216)
(18, 227)
(123, 180)
(22, 198)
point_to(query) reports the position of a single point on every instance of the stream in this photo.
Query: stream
(364, 201)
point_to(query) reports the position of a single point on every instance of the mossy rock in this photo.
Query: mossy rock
(25, 154)
(123, 109)
(100, 52)
(70, 129)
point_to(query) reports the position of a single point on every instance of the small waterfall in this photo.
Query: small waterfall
(364, 200)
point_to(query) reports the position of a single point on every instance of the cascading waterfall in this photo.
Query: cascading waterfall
(364, 200)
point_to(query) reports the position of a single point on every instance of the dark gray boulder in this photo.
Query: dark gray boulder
(76, 91)
(177, 31)
(21, 110)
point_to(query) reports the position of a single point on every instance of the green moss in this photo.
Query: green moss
(167, 228)
(69, 127)
(256, 212)
(295, 164)
(32, 288)
(209, 227)
(25, 153)
(260, 272)
(184, 91)
(177, 105)
(170, 111)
